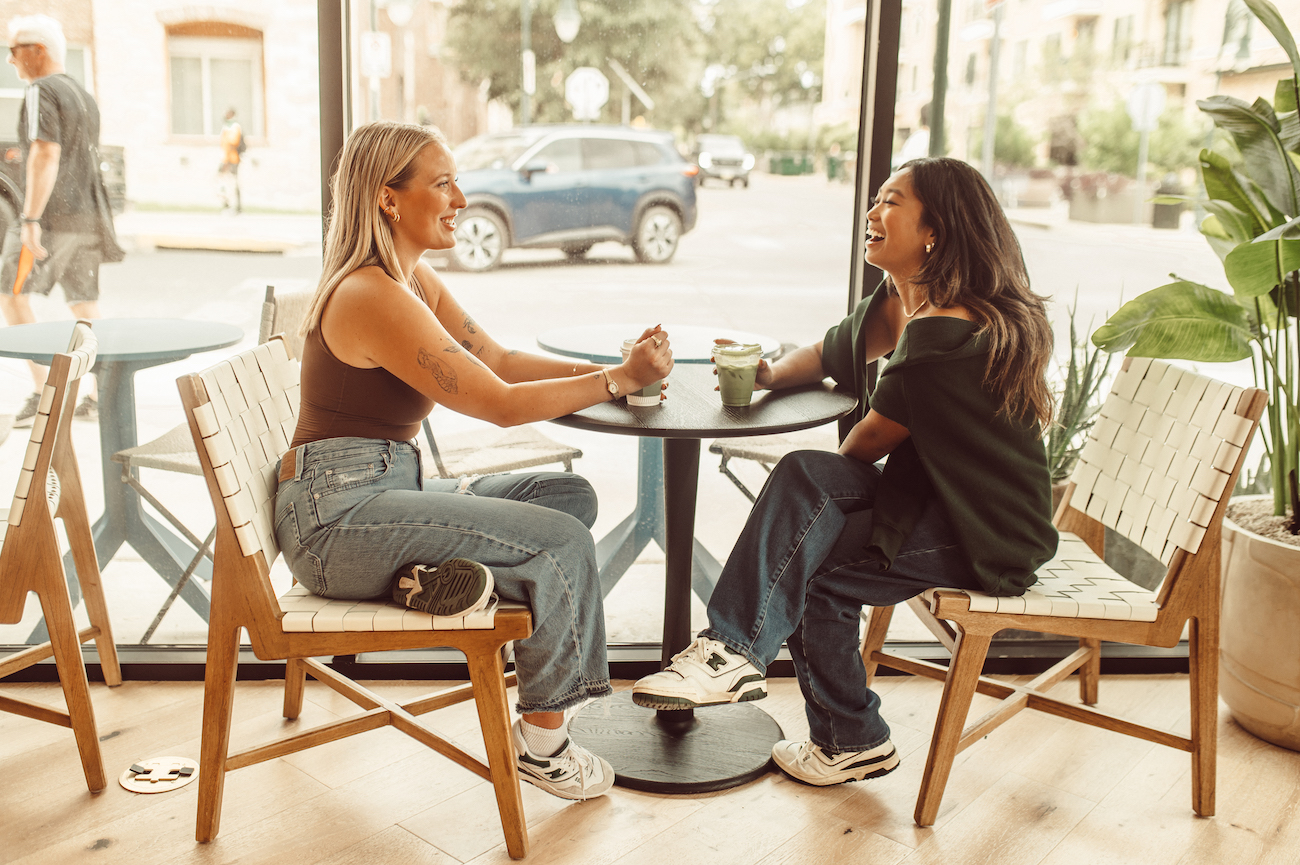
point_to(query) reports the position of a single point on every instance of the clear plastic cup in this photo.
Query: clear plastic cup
(648, 395)
(737, 365)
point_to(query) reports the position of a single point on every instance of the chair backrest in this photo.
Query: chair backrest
(283, 313)
(244, 411)
(49, 453)
(1161, 460)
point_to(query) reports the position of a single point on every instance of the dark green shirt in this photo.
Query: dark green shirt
(988, 471)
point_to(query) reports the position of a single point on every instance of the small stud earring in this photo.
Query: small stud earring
(928, 247)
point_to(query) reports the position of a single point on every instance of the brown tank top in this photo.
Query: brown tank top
(339, 400)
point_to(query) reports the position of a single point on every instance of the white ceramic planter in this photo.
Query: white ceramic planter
(1259, 641)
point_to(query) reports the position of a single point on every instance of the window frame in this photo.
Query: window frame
(202, 48)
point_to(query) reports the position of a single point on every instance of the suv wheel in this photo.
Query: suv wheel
(576, 251)
(657, 234)
(480, 240)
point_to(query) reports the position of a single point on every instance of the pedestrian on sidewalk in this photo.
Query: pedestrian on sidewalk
(67, 222)
(232, 151)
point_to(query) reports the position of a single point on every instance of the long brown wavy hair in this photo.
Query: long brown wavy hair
(977, 263)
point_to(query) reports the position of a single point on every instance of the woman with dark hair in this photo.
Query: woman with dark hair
(963, 501)
(385, 340)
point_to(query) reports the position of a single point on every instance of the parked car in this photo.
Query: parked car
(570, 187)
(723, 157)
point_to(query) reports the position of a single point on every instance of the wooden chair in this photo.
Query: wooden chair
(242, 413)
(49, 488)
(173, 451)
(1158, 468)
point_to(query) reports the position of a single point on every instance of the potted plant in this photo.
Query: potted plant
(1253, 202)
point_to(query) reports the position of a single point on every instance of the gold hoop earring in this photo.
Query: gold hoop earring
(393, 215)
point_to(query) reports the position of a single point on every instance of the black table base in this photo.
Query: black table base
(678, 752)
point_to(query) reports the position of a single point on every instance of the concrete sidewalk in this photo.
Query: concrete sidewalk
(286, 233)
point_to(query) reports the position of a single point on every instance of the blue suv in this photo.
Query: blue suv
(570, 187)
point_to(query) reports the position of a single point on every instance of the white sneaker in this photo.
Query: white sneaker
(705, 673)
(806, 762)
(573, 773)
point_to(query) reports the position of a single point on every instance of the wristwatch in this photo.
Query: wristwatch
(29, 219)
(610, 384)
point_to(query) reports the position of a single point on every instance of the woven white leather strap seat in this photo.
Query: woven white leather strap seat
(1075, 584)
(83, 358)
(1154, 469)
(1157, 460)
(308, 613)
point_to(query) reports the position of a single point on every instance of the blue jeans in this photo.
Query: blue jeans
(356, 510)
(800, 574)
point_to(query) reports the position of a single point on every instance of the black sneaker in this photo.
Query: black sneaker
(27, 414)
(454, 588)
(87, 409)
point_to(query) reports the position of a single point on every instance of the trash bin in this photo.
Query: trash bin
(1167, 215)
(832, 166)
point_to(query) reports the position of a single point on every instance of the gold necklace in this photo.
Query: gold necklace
(908, 315)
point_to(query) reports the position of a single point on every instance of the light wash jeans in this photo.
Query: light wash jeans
(358, 509)
(800, 574)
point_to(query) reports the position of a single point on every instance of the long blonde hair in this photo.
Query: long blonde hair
(375, 155)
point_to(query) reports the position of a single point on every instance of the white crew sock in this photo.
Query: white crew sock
(542, 741)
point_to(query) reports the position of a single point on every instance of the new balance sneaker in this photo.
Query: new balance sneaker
(454, 588)
(573, 773)
(806, 762)
(705, 673)
(87, 409)
(27, 414)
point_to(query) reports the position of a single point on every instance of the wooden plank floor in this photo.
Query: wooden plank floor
(1038, 790)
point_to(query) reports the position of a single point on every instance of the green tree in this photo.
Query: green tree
(763, 53)
(656, 41)
(1111, 143)
(1013, 146)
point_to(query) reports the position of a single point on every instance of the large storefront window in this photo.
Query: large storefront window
(201, 245)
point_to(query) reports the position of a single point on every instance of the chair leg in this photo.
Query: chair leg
(1090, 672)
(1203, 682)
(218, 701)
(873, 639)
(76, 522)
(958, 691)
(57, 607)
(487, 675)
(295, 680)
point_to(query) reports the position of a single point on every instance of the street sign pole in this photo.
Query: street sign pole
(1145, 104)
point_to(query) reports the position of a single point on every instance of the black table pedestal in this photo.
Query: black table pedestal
(699, 751)
(682, 751)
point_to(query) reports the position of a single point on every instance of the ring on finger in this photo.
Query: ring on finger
(658, 342)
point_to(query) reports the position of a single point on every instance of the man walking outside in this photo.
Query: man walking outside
(66, 222)
(232, 149)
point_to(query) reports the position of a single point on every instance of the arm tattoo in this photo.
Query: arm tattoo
(452, 349)
(470, 325)
(469, 346)
(442, 373)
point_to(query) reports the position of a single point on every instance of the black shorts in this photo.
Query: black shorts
(73, 262)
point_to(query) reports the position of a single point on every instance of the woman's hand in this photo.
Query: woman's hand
(762, 378)
(651, 359)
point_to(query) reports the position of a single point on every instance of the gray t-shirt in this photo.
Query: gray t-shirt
(58, 110)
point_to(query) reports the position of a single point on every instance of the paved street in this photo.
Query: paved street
(771, 259)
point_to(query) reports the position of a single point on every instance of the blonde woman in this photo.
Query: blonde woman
(385, 340)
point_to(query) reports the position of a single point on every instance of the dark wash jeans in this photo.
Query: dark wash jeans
(800, 574)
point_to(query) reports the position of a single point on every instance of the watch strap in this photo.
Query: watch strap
(610, 384)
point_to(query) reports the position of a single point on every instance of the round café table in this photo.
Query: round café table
(720, 746)
(601, 343)
(126, 346)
